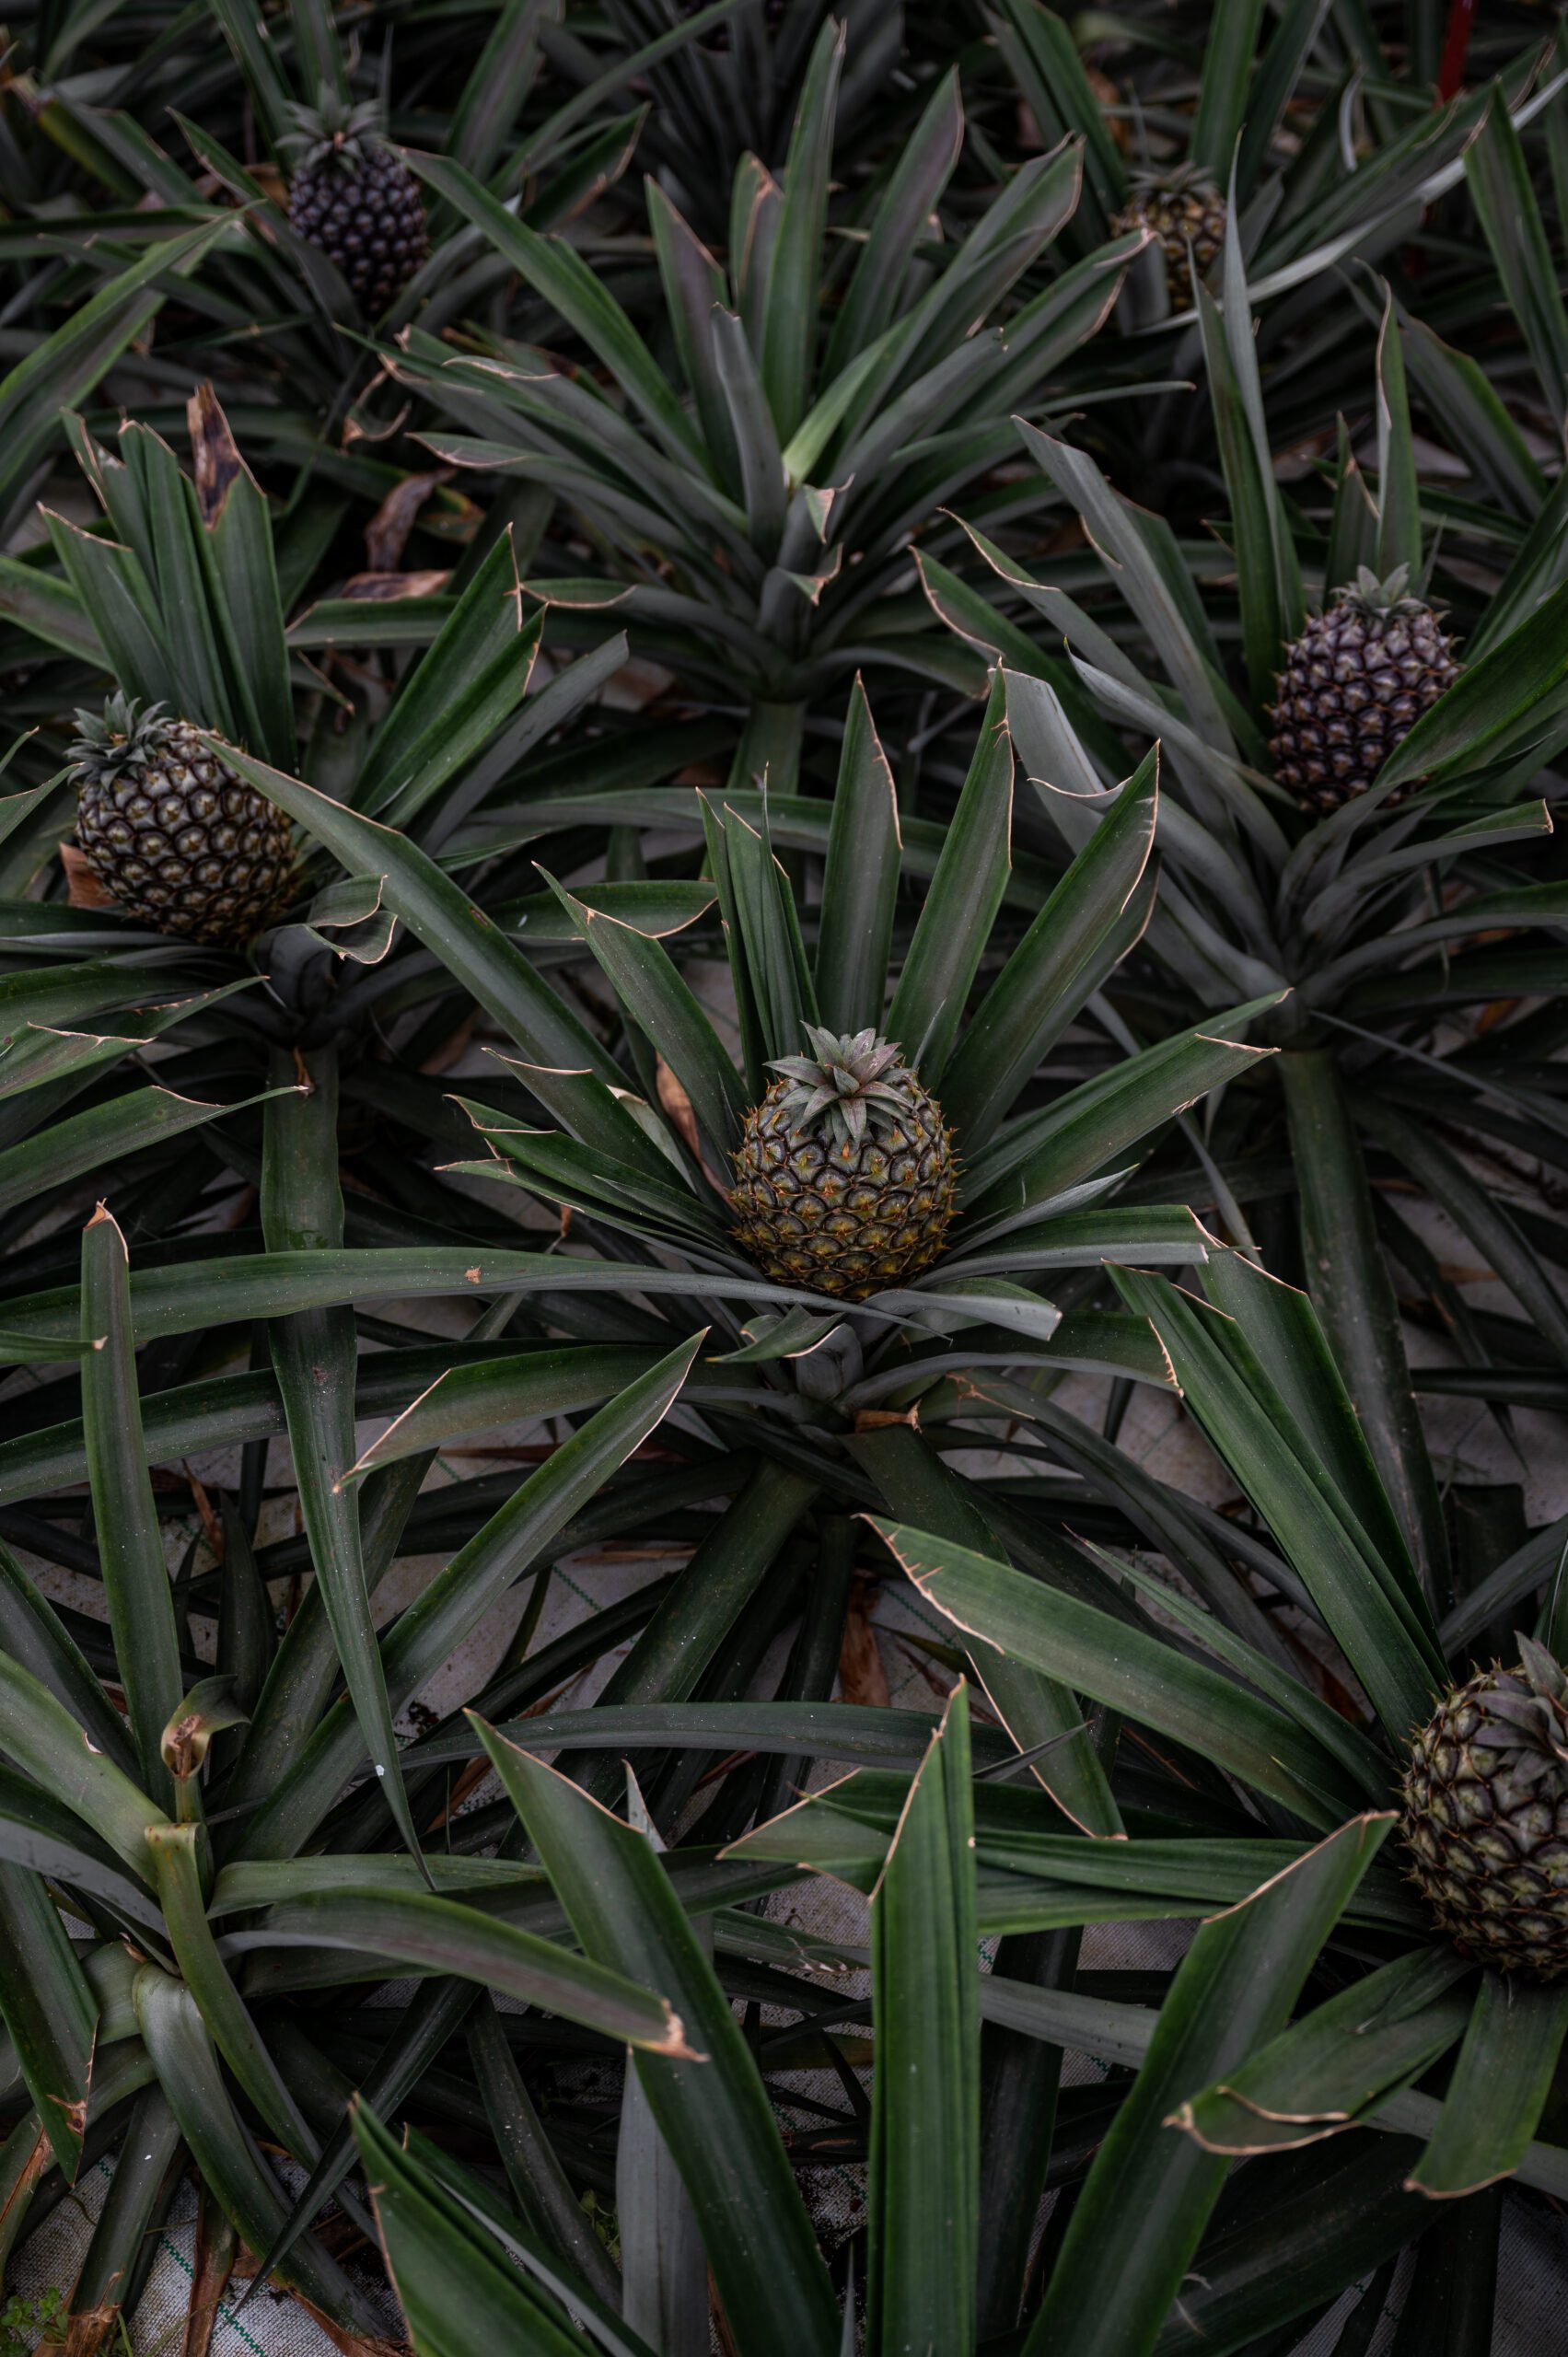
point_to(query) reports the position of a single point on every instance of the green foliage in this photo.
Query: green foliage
(32, 2320)
(803, 578)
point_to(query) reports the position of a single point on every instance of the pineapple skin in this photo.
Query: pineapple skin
(1353, 686)
(844, 1219)
(370, 222)
(182, 843)
(1179, 218)
(1486, 1830)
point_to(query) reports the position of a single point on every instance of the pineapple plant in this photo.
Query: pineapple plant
(354, 199)
(276, 140)
(862, 1195)
(1351, 686)
(732, 89)
(1486, 1815)
(844, 1175)
(169, 832)
(750, 492)
(1373, 897)
(1318, 2026)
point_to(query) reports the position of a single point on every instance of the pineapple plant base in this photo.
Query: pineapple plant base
(172, 834)
(1353, 686)
(357, 201)
(844, 1177)
(1486, 1815)
(1185, 212)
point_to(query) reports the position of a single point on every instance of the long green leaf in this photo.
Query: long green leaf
(789, 316)
(99, 1139)
(66, 367)
(470, 681)
(960, 908)
(539, 2183)
(715, 2114)
(1110, 2292)
(46, 1741)
(454, 1603)
(130, 1536)
(183, 1295)
(460, 2292)
(1127, 1670)
(176, 1857)
(433, 1933)
(232, 2169)
(1352, 1293)
(1229, 53)
(1510, 216)
(860, 885)
(555, 272)
(1035, 1709)
(1385, 1636)
(1398, 494)
(1328, 2070)
(1499, 2089)
(1043, 1154)
(923, 2195)
(1043, 986)
(659, 1000)
(314, 1356)
(49, 2010)
(1332, 2227)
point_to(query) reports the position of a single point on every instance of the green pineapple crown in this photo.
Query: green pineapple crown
(849, 1081)
(1527, 1712)
(336, 133)
(1391, 595)
(119, 737)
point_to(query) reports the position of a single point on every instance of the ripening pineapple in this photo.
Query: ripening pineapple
(1186, 213)
(1353, 685)
(356, 201)
(1486, 1815)
(172, 833)
(844, 1175)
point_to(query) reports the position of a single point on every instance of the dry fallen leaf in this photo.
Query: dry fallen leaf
(862, 1678)
(83, 889)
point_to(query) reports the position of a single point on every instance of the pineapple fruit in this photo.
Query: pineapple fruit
(1486, 1815)
(170, 833)
(1185, 212)
(1353, 686)
(845, 1178)
(356, 201)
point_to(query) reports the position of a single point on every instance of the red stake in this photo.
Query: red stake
(1455, 49)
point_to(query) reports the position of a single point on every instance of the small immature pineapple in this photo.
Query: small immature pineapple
(1186, 213)
(172, 833)
(1353, 686)
(844, 1180)
(357, 201)
(1486, 1815)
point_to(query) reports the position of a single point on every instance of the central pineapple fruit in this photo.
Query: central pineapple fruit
(1486, 1815)
(1185, 212)
(845, 1178)
(1353, 686)
(356, 201)
(171, 832)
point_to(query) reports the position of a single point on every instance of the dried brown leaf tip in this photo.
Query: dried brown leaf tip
(215, 453)
(386, 535)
